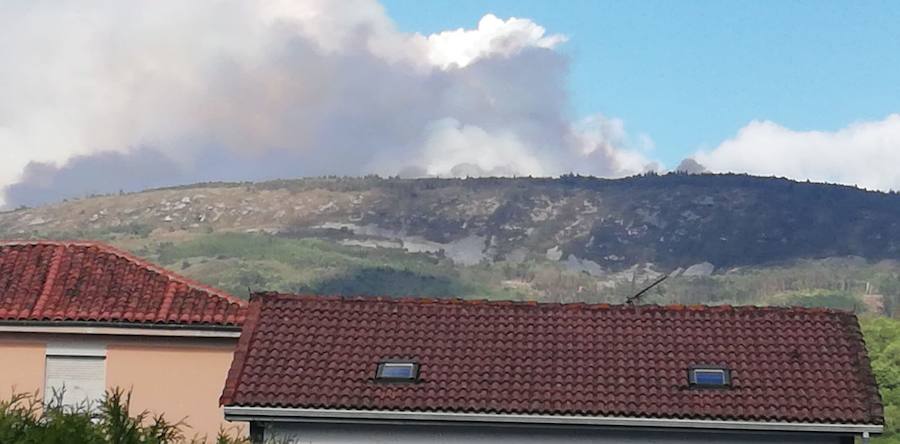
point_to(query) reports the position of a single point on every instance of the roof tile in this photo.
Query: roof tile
(788, 364)
(87, 281)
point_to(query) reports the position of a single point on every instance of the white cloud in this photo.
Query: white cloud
(335, 26)
(492, 37)
(865, 153)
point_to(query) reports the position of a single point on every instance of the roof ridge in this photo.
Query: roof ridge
(239, 361)
(171, 275)
(585, 305)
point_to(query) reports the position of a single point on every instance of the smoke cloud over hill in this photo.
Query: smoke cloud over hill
(109, 97)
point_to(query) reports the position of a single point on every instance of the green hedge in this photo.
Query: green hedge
(25, 419)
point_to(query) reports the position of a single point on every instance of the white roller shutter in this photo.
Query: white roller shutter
(78, 378)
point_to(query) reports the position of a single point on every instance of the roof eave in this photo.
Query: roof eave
(121, 328)
(275, 414)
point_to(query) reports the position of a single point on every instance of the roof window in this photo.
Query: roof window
(397, 371)
(709, 376)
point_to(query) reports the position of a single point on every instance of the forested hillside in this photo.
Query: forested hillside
(671, 221)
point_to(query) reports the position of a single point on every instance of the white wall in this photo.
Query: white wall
(311, 433)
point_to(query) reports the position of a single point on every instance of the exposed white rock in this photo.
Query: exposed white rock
(469, 250)
(705, 200)
(701, 269)
(689, 215)
(466, 251)
(329, 207)
(518, 255)
(573, 263)
(540, 214)
(554, 254)
(371, 243)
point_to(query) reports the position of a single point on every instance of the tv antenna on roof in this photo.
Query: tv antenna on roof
(631, 300)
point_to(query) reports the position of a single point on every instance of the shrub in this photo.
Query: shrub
(25, 419)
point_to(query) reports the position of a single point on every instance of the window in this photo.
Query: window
(76, 372)
(397, 371)
(709, 377)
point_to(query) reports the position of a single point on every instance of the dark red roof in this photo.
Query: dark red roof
(788, 364)
(86, 281)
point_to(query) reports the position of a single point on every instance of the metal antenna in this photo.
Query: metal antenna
(636, 297)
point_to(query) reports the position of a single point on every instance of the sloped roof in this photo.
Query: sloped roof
(88, 281)
(788, 364)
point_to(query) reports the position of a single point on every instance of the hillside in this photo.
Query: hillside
(573, 238)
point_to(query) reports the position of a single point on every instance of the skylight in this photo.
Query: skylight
(397, 371)
(709, 377)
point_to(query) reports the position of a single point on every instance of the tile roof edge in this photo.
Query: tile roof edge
(464, 415)
(865, 372)
(411, 300)
(239, 360)
(135, 325)
(168, 274)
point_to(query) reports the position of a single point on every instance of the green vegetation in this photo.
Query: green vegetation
(237, 262)
(883, 341)
(24, 419)
(318, 262)
(845, 283)
(842, 300)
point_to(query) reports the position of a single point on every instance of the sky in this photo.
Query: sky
(690, 74)
(100, 96)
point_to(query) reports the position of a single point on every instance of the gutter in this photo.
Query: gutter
(238, 413)
(121, 329)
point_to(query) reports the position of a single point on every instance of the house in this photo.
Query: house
(334, 370)
(77, 318)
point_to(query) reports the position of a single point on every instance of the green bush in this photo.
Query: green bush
(883, 342)
(25, 419)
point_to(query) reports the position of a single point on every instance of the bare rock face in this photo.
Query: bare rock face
(699, 270)
(554, 254)
(573, 263)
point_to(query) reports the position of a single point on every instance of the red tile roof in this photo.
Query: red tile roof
(788, 364)
(87, 281)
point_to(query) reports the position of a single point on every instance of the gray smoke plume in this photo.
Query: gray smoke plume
(182, 92)
(690, 166)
